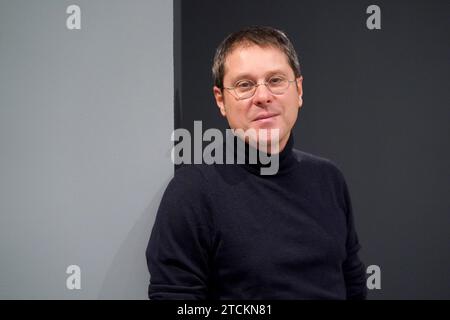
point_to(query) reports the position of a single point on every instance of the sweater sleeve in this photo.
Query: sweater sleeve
(353, 267)
(179, 247)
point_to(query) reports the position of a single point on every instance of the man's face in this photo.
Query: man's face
(258, 64)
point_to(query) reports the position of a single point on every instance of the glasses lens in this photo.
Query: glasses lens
(244, 89)
(277, 84)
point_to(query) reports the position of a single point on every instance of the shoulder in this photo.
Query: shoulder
(326, 175)
(319, 166)
(190, 178)
(186, 196)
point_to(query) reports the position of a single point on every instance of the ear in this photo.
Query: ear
(300, 91)
(218, 95)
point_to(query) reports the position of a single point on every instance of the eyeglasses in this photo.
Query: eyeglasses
(245, 89)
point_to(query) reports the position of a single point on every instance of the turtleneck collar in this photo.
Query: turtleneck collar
(242, 151)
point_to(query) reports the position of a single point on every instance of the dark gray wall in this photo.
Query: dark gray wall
(376, 102)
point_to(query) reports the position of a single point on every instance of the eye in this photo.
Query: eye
(244, 85)
(276, 80)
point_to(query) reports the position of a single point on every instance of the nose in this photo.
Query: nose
(262, 95)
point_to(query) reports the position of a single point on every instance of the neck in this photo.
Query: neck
(270, 146)
(270, 160)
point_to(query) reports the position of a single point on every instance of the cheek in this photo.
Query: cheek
(239, 113)
(290, 116)
(243, 111)
(291, 106)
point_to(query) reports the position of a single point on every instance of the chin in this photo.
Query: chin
(269, 136)
(263, 134)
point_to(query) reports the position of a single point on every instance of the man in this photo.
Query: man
(225, 231)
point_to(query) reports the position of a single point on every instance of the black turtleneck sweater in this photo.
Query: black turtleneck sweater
(228, 232)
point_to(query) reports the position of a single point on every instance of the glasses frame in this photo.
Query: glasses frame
(256, 85)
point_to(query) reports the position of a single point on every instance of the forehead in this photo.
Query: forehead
(255, 61)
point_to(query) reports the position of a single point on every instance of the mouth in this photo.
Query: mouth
(265, 116)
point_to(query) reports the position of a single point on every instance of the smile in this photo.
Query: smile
(265, 117)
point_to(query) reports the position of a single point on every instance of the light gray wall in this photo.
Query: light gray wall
(85, 123)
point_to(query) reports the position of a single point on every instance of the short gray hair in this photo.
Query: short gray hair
(259, 35)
